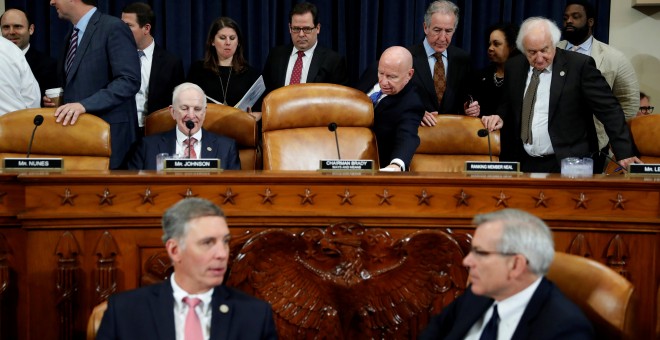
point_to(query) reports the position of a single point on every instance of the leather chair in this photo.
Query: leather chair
(220, 119)
(644, 130)
(83, 146)
(295, 123)
(446, 146)
(95, 320)
(606, 298)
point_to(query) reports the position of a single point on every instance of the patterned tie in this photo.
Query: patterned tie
(140, 55)
(189, 148)
(297, 69)
(71, 53)
(490, 331)
(375, 96)
(528, 107)
(193, 327)
(439, 80)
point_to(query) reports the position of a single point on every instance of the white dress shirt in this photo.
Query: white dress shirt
(181, 147)
(541, 143)
(141, 98)
(203, 310)
(584, 48)
(18, 87)
(307, 60)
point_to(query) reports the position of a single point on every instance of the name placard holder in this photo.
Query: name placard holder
(507, 167)
(644, 170)
(202, 164)
(51, 164)
(346, 164)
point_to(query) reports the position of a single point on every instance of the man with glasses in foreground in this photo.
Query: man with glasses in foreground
(508, 296)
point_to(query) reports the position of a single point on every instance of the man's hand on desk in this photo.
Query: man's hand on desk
(492, 123)
(429, 118)
(68, 113)
(632, 160)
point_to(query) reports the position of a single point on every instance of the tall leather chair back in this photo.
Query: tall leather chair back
(644, 130)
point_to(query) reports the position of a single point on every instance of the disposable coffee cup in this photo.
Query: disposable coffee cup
(55, 95)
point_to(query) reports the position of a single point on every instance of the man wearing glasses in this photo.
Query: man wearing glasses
(508, 296)
(304, 61)
(645, 107)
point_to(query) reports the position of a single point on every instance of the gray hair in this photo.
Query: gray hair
(534, 22)
(183, 87)
(441, 6)
(525, 234)
(177, 218)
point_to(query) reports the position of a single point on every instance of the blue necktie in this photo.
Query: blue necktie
(375, 96)
(490, 331)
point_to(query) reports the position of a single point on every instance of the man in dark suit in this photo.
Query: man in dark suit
(189, 105)
(549, 97)
(442, 72)
(100, 73)
(193, 303)
(161, 71)
(508, 296)
(317, 64)
(397, 108)
(17, 28)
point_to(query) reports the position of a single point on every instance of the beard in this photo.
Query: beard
(578, 35)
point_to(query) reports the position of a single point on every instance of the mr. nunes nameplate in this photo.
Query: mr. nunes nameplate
(473, 166)
(346, 164)
(644, 169)
(205, 164)
(33, 163)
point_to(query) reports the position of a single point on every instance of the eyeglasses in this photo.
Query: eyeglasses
(306, 30)
(646, 109)
(483, 253)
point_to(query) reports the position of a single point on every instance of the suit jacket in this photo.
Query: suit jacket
(166, 74)
(44, 69)
(458, 80)
(577, 90)
(104, 78)
(548, 315)
(213, 146)
(148, 313)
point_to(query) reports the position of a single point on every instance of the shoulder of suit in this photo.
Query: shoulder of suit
(240, 296)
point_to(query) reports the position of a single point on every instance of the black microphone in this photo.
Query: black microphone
(190, 125)
(619, 168)
(484, 133)
(333, 128)
(38, 120)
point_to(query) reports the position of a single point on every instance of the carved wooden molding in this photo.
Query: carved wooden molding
(617, 256)
(68, 268)
(346, 197)
(4, 267)
(580, 246)
(502, 199)
(307, 197)
(462, 198)
(148, 196)
(157, 268)
(105, 278)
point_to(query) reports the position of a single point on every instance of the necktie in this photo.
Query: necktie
(140, 55)
(71, 53)
(528, 107)
(490, 331)
(189, 148)
(439, 80)
(297, 69)
(193, 327)
(375, 96)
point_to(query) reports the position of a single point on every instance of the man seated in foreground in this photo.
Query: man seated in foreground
(188, 104)
(508, 296)
(193, 303)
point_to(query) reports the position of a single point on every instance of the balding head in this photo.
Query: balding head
(395, 69)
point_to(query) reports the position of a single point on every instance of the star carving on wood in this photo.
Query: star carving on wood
(541, 200)
(2, 197)
(462, 198)
(267, 196)
(618, 201)
(106, 197)
(424, 198)
(148, 196)
(502, 199)
(228, 196)
(307, 197)
(581, 201)
(346, 197)
(68, 197)
(385, 197)
(188, 194)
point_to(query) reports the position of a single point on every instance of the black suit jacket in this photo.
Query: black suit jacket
(166, 74)
(548, 315)
(213, 146)
(44, 69)
(148, 313)
(577, 90)
(458, 79)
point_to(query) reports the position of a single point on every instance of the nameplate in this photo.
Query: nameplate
(33, 163)
(644, 169)
(473, 166)
(202, 164)
(346, 164)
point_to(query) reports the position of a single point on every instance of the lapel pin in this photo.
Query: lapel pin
(208, 148)
(562, 73)
(224, 308)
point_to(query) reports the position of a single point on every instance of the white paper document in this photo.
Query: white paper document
(252, 95)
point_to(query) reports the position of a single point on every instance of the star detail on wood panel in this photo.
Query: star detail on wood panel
(462, 198)
(188, 194)
(618, 202)
(148, 196)
(424, 198)
(68, 197)
(581, 201)
(541, 200)
(502, 199)
(307, 197)
(385, 197)
(2, 197)
(267, 196)
(228, 196)
(106, 197)
(346, 197)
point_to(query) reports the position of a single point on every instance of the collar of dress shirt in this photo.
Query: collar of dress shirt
(179, 293)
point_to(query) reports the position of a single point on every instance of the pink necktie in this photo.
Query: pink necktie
(189, 152)
(193, 327)
(297, 69)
